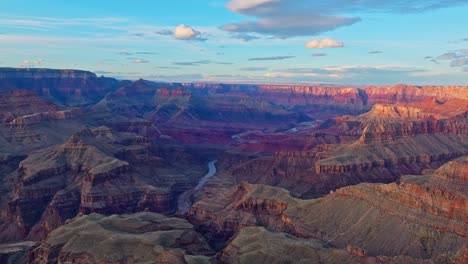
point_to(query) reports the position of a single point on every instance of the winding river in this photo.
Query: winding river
(185, 202)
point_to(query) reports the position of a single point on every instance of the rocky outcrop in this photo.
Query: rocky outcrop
(303, 95)
(315, 173)
(134, 99)
(426, 213)
(379, 146)
(250, 244)
(260, 244)
(16, 252)
(428, 109)
(38, 73)
(396, 145)
(407, 93)
(178, 92)
(69, 87)
(138, 238)
(20, 103)
(96, 170)
(388, 132)
(38, 118)
(389, 112)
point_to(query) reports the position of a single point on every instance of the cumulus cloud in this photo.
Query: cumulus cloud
(138, 61)
(286, 18)
(186, 32)
(271, 58)
(324, 43)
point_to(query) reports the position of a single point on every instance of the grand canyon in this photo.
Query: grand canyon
(234, 132)
(100, 170)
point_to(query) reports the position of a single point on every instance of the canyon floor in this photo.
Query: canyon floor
(100, 170)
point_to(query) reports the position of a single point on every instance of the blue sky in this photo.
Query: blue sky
(247, 41)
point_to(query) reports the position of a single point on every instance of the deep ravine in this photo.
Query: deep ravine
(184, 202)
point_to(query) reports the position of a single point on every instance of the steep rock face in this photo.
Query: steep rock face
(386, 112)
(132, 100)
(435, 207)
(426, 213)
(397, 150)
(221, 214)
(178, 92)
(34, 73)
(94, 171)
(38, 118)
(407, 93)
(16, 252)
(20, 103)
(316, 173)
(138, 238)
(387, 132)
(429, 108)
(316, 101)
(29, 122)
(69, 87)
(189, 117)
(303, 95)
(379, 146)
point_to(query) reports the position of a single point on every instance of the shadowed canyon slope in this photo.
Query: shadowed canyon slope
(96, 170)
(419, 216)
(93, 169)
(141, 238)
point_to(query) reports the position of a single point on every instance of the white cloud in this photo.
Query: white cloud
(458, 58)
(31, 63)
(185, 32)
(324, 43)
(138, 61)
(345, 73)
(48, 23)
(237, 5)
(459, 62)
(291, 18)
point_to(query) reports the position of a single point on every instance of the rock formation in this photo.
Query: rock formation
(421, 217)
(69, 87)
(94, 171)
(94, 158)
(138, 238)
